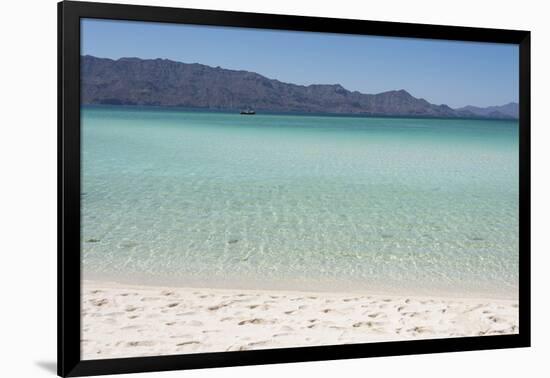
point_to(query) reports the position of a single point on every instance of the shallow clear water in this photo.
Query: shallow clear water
(300, 202)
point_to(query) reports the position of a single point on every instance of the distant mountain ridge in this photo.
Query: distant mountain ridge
(162, 82)
(510, 110)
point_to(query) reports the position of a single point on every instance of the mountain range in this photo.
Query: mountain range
(163, 82)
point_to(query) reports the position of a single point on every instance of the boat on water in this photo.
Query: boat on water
(248, 112)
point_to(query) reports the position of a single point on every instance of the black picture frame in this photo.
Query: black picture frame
(69, 274)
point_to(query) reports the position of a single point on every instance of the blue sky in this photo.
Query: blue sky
(442, 72)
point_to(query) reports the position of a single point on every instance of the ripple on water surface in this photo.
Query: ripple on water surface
(300, 202)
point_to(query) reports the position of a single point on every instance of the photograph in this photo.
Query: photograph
(250, 189)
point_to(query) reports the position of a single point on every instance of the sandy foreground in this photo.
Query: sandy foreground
(128, 321)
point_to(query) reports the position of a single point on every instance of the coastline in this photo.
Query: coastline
(266, 112)
(120, 320)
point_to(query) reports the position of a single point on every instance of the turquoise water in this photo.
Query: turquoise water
(300, 202)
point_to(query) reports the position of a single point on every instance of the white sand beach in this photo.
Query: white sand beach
(127, 321)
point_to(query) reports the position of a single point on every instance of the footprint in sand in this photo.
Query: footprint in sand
(349, 299)
(377, 314)
(99, 302)
(221, 305)
(252, 307)
(236, 348)
(419, 330)
(130, 327)
(281, 334)
(140, 343)
(495, 319)
(253, 321)
(149, 299)
(363, 324)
